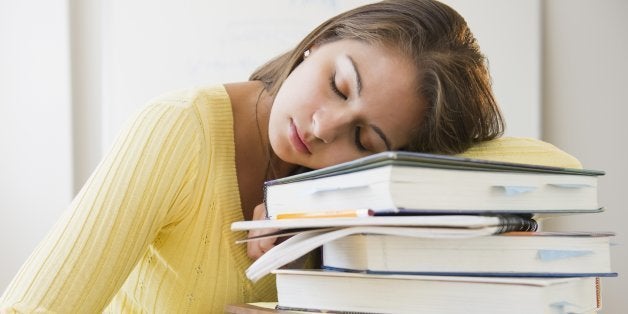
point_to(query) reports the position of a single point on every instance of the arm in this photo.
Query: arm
(522, 150)
(139, 187)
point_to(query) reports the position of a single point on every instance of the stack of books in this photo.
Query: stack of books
(418, 233)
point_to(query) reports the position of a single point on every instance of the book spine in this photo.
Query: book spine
(265, 189)
(598, 294)
(516, 223)
(300, 309)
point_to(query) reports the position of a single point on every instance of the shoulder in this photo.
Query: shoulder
(522, 150)
(209, 106)
(206, 96)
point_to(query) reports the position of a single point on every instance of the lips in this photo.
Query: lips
(297, 141)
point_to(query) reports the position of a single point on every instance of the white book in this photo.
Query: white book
(510, 254)
(316, 290)
(424, 183)
(466, 223)
(332, 229)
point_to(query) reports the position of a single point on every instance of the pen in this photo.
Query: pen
(349, 213)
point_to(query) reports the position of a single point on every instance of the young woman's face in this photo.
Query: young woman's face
(346, 100)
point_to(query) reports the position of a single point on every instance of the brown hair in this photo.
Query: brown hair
(454, 82)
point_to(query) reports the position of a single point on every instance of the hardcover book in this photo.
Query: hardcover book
(531, 254)
(393, 182)
(340, 292)
(441, 227)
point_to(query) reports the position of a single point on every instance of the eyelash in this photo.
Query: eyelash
(334, 87)
(358, 144)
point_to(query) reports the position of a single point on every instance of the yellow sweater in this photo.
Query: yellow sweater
(150, 230)
(522, 150)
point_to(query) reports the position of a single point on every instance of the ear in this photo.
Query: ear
(310, 50)
(315, 46)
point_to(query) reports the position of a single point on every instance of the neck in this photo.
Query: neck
(255, 161)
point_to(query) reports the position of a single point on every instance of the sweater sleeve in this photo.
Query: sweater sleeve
(522, 150)
(143, 184)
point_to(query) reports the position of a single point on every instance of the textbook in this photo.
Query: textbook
(320, 291)
(456, 223)
(521, 254)
(417, 183)
(441, 227)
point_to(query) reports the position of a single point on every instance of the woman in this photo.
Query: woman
(149, 231)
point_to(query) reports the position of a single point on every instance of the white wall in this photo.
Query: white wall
(86, 39)
(509, 33)
(584, 112)
(151, 47)
(35, 128)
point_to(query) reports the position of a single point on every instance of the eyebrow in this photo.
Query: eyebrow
(358, 78)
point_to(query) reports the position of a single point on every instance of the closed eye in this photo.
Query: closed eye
(358, 142)
(334, 87)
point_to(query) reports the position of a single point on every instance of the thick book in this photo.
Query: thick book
(521, 254)
(426, 183)
(314, 236)
(320, 291)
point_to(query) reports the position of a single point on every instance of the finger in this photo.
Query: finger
(267, 244)
(259, 212)
(255, 250)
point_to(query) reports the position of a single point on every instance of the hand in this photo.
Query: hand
(257, 248)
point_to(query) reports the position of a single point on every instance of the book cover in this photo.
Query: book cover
(459, 224)
(432, 227)
(393, 182)
(367, 293)
(514, 254)
(413, 159)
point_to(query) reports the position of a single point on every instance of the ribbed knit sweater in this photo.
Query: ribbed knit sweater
(150, 230)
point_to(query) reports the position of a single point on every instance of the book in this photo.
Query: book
(491, 224)
(317, 290)
(307, 240)
(521, 254)
(393, 182)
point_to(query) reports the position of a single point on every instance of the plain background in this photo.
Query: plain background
(73, 72)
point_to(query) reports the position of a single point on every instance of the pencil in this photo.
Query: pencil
(348, 213)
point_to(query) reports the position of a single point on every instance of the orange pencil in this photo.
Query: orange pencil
(349, 213)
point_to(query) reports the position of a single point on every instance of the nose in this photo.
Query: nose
(330, 123)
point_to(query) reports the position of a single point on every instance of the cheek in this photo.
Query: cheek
(307, 81)
(298, 99)
(288, 97)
